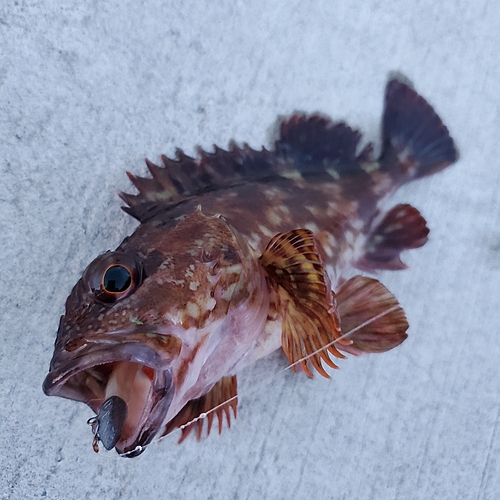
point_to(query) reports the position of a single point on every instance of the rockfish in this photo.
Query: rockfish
(237, 254)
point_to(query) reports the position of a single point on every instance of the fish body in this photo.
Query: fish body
(239, 253)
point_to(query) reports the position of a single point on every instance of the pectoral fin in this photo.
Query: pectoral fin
(370, 315)
(218, 401)
(304, 299)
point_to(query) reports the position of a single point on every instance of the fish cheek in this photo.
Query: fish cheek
(174, 298)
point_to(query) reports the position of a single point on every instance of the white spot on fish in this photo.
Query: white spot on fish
(294, 174)
(135, 320)
(331, 211)
(357, 224)
(178, 282)
(312, 227)
(192, 309)
(175, 319)
(348, 256)
(273, 217)
(194, 285)
(370, 167)
(265, 231)
(383, 185)
(271, 193)
(210, 304)
(333, 173)
(313, 210)
(254, 241)
(228, 294)
(349, 237)
(234, 269)
(393, 227)
(359, 249)
(165, 264)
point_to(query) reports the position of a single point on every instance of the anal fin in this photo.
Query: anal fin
(304, 299)
(370, 316)
(218, 401)
(402, 228)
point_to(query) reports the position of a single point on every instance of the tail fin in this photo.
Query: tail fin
(416, 143)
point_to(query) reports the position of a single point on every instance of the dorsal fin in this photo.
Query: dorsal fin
(218, 401)
(312, 147)
(315, 141)
(185, 177)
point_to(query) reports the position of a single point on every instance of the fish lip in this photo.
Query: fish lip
(115, 345)
(54, 383)
(66, 365)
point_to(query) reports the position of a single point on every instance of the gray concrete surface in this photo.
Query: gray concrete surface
(88, 89)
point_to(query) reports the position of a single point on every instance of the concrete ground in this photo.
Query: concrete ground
(88, 89)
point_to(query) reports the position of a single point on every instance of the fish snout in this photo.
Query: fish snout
(126, 380)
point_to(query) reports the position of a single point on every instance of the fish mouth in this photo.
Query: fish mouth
(128, 384)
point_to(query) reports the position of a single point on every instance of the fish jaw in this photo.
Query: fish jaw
(134, 365)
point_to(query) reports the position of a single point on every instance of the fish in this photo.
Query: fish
(239, 253)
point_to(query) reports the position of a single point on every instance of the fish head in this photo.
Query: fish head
(156, 323)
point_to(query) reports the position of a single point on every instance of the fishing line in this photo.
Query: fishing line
(270, 377)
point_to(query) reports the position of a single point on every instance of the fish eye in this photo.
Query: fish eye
(113, 276)
(116, 279)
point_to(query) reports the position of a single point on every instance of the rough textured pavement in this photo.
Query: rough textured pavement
(88, 89)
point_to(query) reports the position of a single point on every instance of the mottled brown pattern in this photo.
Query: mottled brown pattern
(205, 298)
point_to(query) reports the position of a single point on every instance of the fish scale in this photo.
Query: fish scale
(238, 253)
